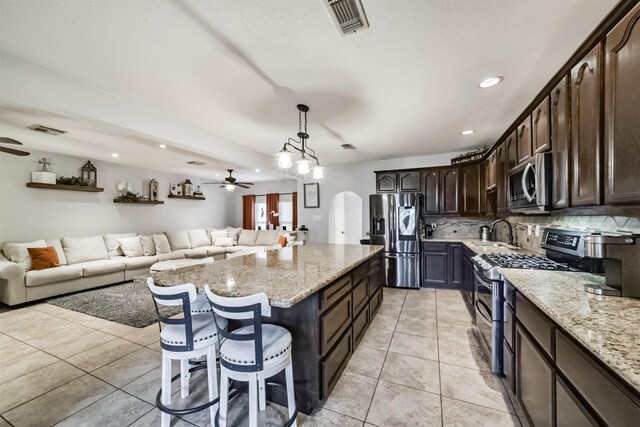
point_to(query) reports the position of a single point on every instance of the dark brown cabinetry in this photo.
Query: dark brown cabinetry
(512, 150)
(386, 182)
(449, 190)
(398, 182)
(540, 128)
(501, 178)
(570, 412)
(442, 265)
(524, 141)
(409, 181)
(585, 129)
(560, 135)
(622, 111)
(454, 264)
(472, 191)
(431, 191)
(491, 177)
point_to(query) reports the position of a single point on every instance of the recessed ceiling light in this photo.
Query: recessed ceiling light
(217, 174)
(257, 170)
(114, 155)
(490, 81)
(163, 146)
(467, 132)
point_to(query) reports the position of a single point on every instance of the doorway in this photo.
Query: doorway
(345, 219)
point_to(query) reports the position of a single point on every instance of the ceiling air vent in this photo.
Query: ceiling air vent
(348, 146)
(45, 129)
(196, 163)
(347, 15)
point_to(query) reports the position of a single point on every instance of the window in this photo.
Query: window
(261, 213)
(285, 209)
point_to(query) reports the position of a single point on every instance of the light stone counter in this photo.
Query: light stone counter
(286, 275)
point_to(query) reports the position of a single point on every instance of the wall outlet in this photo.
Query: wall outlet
(537, 230)
(529, 230)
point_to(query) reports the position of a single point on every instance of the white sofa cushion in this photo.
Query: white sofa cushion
(57, 245)
(248, 238)
(139, 262)
(214, 233)
(267, 237)
(223, 241)
(53, 275)
(178, 239)
(234, 233)
(111, 242)
(83, 249)
(131, 246)
(170, 255)
(214, 250)
(18, 252)
(192, 253)
(102, 266)
(199, 237)
(148, 247)
(161, 243)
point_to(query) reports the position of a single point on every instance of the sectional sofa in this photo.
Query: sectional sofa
(89, 262)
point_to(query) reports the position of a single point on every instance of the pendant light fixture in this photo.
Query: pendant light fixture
(307, 154)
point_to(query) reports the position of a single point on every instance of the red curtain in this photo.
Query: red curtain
(295, 210)
(272, 206)
(248, 211)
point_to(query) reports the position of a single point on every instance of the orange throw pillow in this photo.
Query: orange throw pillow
(282, 241)
(42, 258)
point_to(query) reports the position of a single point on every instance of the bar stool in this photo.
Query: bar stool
(190, 337)
(251, 353)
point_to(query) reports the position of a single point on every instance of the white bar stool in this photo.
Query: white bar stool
(252, 353)
(190, 337)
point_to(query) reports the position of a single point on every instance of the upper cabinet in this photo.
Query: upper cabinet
(449, 190)
(585, 129)
(431, 191)
(524, 140)
(386, 182)
(511, 145)
(398, 182)
(540, 128)
(472, 193)
(622, 111)
(409, 181)
(501, 178)
(491, 176)
(560, 135)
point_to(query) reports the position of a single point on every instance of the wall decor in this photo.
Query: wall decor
(89, 174)
(175, 189)
(312, 195)
(44, 175)
(187, 188)
(153, 189)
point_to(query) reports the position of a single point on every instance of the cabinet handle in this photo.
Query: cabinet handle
(583, 67)
(522, 128)
(556, 96)
(538, 113)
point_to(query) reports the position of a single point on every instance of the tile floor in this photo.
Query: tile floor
(419, 364)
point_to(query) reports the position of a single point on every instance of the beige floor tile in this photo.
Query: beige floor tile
(33, 324)
(130, 367)
(376, 337)
(84, 319)
(352, 395)
(51, 340)
(155, 346)
(327, 418)
(425, 328)
(119, 329)
(115, 410)
(71, 347)
(27, 387)
(394, 298)
(59, 403)
(398, 406)
(412, 372)
(389, 310)
(3, 423)
(20, 366)
(104, 354)
(473, 386)
(456, 322)
(384, 322)
(468, 354)
(147, 386)
(422, 303)
(152, 419)
(13, 349)
(144, 336)
(367, 361)
(465, 333)
(463, 414)
(414, 345)
(418, 314)
(394, 291)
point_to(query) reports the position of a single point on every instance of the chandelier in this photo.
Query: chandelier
(307, 154)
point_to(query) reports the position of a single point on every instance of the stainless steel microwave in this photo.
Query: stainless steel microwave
(530, 185)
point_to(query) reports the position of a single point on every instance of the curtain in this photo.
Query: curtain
(295, 209)
(248, 211)
(272, 206)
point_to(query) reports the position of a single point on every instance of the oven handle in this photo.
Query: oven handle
(479, 308)
(528, 168)
(482, 281)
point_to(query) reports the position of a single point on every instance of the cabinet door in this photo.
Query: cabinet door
(534, 381)
(431, 191)
(501, 177)
(471, 189)
(540, 125)
(454, 265)
(409, 181)
(449, 190)
(512, 150)
(622, 111)
(386, 182)
(524, 141)
(561, 138)
(585, 129)
(434, 269)
(569, 410)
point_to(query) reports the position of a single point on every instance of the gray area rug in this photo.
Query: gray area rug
(129, 303)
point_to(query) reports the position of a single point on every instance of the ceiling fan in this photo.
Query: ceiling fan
(230, 182)
(5, 140)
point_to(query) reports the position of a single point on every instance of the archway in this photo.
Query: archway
(345, 218)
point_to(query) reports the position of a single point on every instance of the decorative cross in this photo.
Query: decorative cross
(44, 163)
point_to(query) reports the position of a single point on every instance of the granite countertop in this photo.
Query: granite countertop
(286, 275)
(469, 242)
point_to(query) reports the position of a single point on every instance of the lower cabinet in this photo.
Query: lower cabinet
(442, 265)
(569, 411)
(335, 362)
(360, 323)
(454, 264)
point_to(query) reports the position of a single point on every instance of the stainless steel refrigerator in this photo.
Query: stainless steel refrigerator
(395, 223)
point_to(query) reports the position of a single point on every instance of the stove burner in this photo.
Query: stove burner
(533, 262)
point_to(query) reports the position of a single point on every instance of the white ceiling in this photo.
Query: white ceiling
(222, 78)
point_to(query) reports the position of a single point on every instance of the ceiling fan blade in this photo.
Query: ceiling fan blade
(244, 183)
(222, 186)
(14, 152)
(5, 140)
(242, 186)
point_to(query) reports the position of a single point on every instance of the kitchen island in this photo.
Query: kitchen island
(325, 295)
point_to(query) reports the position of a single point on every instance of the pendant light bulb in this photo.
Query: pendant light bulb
(284, 158)
(303, 166)
(230, 187)
(318, 172)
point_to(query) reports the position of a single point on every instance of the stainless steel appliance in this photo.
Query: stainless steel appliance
(530, 185)
(485, 233)
(395, 224)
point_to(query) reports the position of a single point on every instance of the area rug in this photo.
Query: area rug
(128, 303)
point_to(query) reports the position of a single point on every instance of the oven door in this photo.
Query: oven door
(488, 317)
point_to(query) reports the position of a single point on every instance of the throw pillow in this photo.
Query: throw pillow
(42, 258)
(248, 238)
(148, 247)
(131, 246)
(282, 241)
(18, 252)
(111, 242)
(83, 249)
(178, 239)
(214, 233)
(223, 242)
(199, 237)
(234, 233)
(161, 243)
(267, 237)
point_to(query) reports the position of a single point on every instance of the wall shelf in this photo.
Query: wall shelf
(141, 202)
(171, 196)
(65, 187)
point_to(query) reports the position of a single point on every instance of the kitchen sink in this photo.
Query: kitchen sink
(491, 244)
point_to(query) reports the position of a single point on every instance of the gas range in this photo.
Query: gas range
(489, 263)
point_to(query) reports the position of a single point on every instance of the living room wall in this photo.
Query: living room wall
(27, 214)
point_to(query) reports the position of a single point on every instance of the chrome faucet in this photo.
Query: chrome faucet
(510, 229)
